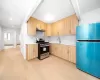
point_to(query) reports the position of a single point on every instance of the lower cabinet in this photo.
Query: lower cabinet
(72, 54)
(31, 51)
(64, 52)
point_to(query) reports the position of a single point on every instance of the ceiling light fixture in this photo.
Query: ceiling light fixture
(10, 19)
(49, 17)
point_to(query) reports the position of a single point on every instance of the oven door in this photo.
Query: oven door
(44, 49)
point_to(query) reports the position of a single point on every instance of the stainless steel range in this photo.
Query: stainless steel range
(43, 50)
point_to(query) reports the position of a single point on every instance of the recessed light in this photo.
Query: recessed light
(10, 19)
(49, 17)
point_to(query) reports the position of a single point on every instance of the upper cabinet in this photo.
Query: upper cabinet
(48, 30)
(41, 25)
(54, 30)
(31, 26)
(65, 26)
(34, 24)
(62, 27)
(74, 23)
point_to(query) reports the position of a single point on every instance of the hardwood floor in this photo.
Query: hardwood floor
(14, 67)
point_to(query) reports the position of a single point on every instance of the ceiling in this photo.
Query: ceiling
(13, 12)
(52, 10)
(88, 5)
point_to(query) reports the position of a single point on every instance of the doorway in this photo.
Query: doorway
(8, 40)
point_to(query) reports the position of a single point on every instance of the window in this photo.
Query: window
(7, 36)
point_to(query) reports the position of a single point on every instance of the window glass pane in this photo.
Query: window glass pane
(8, 36)
(5, 35)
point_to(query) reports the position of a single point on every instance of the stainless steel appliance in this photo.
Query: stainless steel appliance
(43, 49)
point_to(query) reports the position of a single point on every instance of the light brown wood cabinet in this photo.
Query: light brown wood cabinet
(59, 50)
(62, 27)
(63, 51)
(65, 26)
(40, 25)
(31, 51)
(74, 23)
(58, 28)
(72, 54)
(54, 29)
(31, 26)
(48, 30)
(67, 29)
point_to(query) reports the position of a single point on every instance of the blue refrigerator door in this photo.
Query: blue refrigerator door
(97, 31)
(95, 65)
(88, 57)
(88, 32)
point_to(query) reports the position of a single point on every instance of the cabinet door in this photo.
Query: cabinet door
(38, 24)
(64, 52)
(31, 51)
(54, 29)
(72, 54)
(59, 50)
(43, 26)
(52, 48)
(31, 27)
(74, 23)
(48, 29)
(67, 26)
(61, 27)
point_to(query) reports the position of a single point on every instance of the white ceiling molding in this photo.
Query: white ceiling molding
(31, 11)
(75, 4)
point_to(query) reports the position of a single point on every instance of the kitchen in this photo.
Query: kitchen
(59, 40)
(60, 37)
(54, 30)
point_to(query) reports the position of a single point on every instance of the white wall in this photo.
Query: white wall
(22, 40)
(1, 38)
(25, 39)
(91, 17)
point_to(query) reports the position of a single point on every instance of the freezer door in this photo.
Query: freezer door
(97, 31)
(88, 32)
(88, 57)
(83, 55)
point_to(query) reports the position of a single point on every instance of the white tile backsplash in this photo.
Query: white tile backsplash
(54, 39)
(66, 40)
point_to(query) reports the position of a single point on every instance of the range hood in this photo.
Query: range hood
(40, 30)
